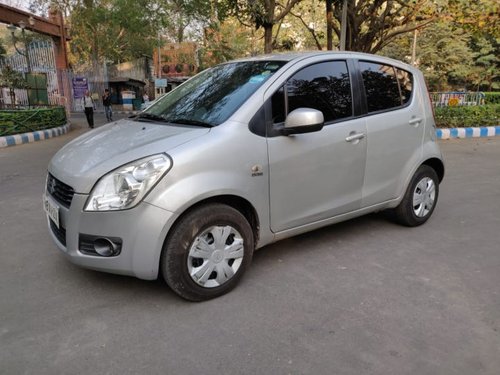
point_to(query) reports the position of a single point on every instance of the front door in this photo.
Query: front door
(315, 176)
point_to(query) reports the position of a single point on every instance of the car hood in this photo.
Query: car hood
(87, 158)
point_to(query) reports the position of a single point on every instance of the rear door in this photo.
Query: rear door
(395, 125)
(315, 176)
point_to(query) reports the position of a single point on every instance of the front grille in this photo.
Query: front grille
(60, 232)
(61, 192)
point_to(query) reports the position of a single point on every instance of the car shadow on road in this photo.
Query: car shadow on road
(317, 239)
(315, 243)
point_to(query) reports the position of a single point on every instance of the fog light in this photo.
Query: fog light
(89, 244)
(105, 247)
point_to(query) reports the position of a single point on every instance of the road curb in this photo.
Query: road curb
(477, 132)
(39, 135)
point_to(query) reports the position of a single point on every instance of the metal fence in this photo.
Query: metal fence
(457, 98)
(96, 79)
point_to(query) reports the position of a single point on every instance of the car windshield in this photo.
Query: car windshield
(211, 97)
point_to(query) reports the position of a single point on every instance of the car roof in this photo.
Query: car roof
(296, 56)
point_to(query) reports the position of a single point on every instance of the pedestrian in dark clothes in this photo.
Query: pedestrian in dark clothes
(106, 101)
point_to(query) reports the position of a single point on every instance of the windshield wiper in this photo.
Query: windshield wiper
(187, 121)
(150, 117)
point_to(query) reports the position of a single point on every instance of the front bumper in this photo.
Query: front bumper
(142, 230)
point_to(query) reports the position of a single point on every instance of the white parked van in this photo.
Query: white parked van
(242, 155)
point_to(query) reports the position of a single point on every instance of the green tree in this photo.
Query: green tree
(476, 16)
(120, 30)
(193, 16)
(454, 53)
(262, 14)
(12, 80)
(373, 24)
(305, 16)
(486, 51)
(226, 41)
(443, 54)
(115, 30)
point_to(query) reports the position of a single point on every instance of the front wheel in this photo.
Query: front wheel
(207, 252)
(420, 198)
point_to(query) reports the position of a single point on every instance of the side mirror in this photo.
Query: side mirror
(303, 120)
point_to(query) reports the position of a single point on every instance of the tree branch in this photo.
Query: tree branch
(310, 29)
(286, 10)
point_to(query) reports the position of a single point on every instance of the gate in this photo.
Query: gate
(59, 82)
(42, 59)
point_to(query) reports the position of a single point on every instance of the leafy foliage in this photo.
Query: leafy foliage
(3, 51)
(262, 14)
(476, 16)
(27, 120)
(226, 41)
(492, 98)
(12, 79)
(372, 24)
(452, 57)
(444, 55)
(467, 116)
(458, 40)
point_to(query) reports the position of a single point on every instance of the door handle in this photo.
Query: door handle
(355, 137)
(415, 121)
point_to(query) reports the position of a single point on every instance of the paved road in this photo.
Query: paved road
(361, 297)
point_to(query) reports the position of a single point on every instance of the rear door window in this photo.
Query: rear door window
(381, 86)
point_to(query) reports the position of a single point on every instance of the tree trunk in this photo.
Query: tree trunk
(180, 34)
(12, 98)
(329, 25)
(268, 38)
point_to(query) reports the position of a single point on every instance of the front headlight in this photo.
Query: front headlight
(126, 186)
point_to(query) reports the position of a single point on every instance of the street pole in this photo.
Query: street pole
(414, 49)
(343, 30)
(159, 54)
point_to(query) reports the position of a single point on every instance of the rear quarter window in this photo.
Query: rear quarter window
(405, 80)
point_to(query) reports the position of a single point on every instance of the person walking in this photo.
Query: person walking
(106, 101)
(89, 106)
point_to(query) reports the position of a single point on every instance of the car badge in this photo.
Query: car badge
(257, 170)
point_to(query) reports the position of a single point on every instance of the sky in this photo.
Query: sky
(21, 4)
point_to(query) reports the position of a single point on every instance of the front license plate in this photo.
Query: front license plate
(51, 209)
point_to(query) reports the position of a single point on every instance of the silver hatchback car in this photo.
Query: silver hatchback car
(240, 156)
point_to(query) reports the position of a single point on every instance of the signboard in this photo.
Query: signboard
(160, 82)
(80, 85)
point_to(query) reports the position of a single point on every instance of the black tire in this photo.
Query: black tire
(405, 213)
(200, 224)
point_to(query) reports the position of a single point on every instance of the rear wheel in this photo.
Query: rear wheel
(420, 198)
(207, 252)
